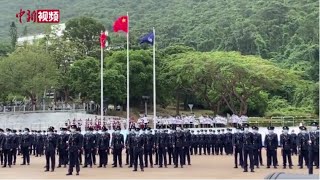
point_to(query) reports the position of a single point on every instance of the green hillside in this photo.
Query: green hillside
(284, 33)
(250, 26)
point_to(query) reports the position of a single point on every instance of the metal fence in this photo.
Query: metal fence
(282, 121)
(58, 107)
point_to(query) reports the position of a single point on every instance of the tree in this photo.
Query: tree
(140, 74)
(84, 75)
(64, 54)
(223, 78)
(25, 31)
(13, 35)
(5, 49)
(85, 32)
(28, 72)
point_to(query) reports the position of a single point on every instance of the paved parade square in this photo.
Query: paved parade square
(203, 167)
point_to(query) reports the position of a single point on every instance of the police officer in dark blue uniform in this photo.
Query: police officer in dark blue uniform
(7, 145)
(302, 144)
(259, 150)
(237, 142)
(117, 145)
(314, 143)
(228, 142)
(62, 147)
(39, 144)
(171, 139)
(74, 147)
(247, 149)
(293, 137)
(201, 142)
(2, 137)
(26, 140)
(223, 138)
(138, 148)
(205, 141)
(89, 145)
(209, 140)
(50, 146)
(148, 147)
(156, 150)
(126, 146)
(285, 143)
(213, 141)
(179, 148)
(219, 143)
(162, 146)
(15, 146)
(187, 145)
(129, 148)
(257, 144)
(194, 147)
(103, 147)
(78, 131)
(271, 145)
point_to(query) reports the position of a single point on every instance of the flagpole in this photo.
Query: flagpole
(128, 105)
(154, 80)
(101, 88)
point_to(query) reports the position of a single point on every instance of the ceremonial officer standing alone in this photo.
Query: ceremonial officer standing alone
(74, 147)
(103, 147)
(271, 145)
(138, 148)
(247, 149)
(50, 146)
(285, 143)
(26, 146)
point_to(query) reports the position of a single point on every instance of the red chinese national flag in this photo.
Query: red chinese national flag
(103, 39)
(121, 24)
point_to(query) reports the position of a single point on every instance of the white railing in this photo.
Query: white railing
(43, 108)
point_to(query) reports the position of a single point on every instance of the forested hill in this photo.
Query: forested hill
(280, 79)
(286, 29)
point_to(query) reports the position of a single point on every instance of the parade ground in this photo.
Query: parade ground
(203, 167)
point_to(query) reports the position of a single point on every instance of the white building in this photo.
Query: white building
(55, 29)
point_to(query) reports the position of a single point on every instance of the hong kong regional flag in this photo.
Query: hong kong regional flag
(121, 24)
(103, 39)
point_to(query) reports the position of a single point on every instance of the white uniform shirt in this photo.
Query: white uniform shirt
(201, 120)
(244, 119)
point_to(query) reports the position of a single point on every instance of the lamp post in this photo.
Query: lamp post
(145, 98)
